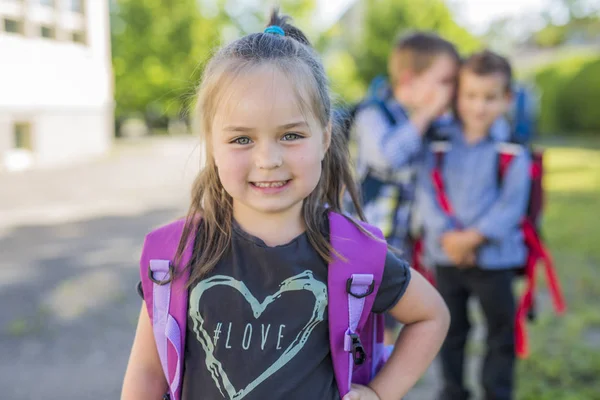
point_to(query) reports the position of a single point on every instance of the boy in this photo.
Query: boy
(477, 245)
(390, 126)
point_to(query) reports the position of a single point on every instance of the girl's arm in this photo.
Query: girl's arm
(426, 319)
(144, 378)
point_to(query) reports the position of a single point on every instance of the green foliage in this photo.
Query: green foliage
(569, 92)
(580, 100)
(157, 46)
(250, 16)
(387, 19)
(345, 78)
(550, 36)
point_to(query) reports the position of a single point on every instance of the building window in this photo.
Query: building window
(13, 26)
(77, 6)
(47, 32)
(78, 37)
(22, 136)
(48, 3)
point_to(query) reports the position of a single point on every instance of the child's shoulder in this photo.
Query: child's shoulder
(173, 227)
(513, 149)
(352, 228)
(171, 231)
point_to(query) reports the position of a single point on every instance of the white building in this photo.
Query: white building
(56, 83)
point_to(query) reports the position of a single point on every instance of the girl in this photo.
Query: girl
(275, 167)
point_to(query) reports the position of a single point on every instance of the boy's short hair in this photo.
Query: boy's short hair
(487, 63)
(416, 52)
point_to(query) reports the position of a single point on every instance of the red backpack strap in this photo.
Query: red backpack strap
(536, 251)
(439, 150)
(417, 261)
(165, 295)
(352, 284)
(506, 153)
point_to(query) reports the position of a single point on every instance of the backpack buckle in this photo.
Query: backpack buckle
(359, 295)
(358, 351)
(165, 281)
(166, 397)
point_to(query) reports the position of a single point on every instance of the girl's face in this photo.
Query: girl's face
(267, 152)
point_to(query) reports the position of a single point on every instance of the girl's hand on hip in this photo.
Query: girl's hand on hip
(359, 392)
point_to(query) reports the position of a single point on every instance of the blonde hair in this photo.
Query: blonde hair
(293, 55)
(416, 52)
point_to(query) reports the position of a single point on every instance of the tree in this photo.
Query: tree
(158, 46)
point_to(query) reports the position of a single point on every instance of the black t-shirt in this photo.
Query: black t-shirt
(258, 325)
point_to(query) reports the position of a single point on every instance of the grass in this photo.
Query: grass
(564, 361)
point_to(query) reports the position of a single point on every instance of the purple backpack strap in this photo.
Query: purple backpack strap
(166, 298)
(352, 286)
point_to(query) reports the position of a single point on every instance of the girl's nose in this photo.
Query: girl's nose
(268, 156)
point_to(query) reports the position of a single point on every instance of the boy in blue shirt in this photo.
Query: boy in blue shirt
(477, 245)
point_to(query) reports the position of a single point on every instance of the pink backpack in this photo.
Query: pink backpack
(355, 333)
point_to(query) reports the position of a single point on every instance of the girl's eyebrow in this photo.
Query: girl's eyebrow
(238, 129)
(291, 125)
(297, 124)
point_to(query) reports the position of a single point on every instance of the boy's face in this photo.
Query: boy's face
(433, 87)
(481, 100)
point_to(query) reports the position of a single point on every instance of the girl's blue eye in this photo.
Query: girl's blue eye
(242, 140)
(291, 136)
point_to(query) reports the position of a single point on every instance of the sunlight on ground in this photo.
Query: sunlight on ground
(83, 293)
(572, 170)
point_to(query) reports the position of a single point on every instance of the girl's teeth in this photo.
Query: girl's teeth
(269, 184)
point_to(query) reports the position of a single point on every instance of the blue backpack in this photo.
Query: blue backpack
(344, 115)
(523, 113)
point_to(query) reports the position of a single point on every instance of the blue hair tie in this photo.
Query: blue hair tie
(275, 30)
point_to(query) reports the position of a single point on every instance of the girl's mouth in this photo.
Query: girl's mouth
(270, 186)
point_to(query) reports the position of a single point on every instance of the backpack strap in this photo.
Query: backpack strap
(439, 150)
(506, 153)
(536, 251)
(165, 295)
(380, 105)
(353, 280)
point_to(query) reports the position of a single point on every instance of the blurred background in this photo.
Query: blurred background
(97, 147)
